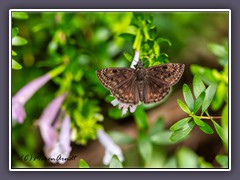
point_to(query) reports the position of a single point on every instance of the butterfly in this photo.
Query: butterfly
(148, 85)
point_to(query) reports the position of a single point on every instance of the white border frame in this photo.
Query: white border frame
(117, 10)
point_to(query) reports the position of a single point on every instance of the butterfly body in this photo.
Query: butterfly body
(148, 85)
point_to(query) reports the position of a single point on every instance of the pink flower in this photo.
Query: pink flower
(124, 106)
(24, 94)
(110, 147)
(56, 135)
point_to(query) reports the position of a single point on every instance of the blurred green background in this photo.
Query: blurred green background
(87, 41)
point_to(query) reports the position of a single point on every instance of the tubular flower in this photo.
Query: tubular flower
(56, 142)
(110, 147)
(24, 94)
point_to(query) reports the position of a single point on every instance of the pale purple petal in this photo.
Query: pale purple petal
(133, 108)
(24, 94)
(28, 90)
(49, 134)
(110, 147)
(135, 59)
(52, 109)
(65, 135)
(114, 102)
(124, 109)
(18, 112)
(59, 149)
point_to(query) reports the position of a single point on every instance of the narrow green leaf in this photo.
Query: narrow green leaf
(204, 164)
(128, 56)
(19, 15)
(198, 102)
(198, 121)
(16, 65)
(198, 86)
(224, 123)
(219, 97)
(210, 92)
(183, 106)
(18, 41)
(160, 40)
(187, 94)
(15, 31)
(14, 53)
(222, 160)
(183, 132)
(115, 162)
(121, 138)
(141, 118)
(206, 128)
(162, 138)
(204, 73)
(219, 130)
(83, 164)
(157, 127)
(145, 147)
(179, 124)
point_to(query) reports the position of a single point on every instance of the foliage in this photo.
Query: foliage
(17, 40)
(84, 42)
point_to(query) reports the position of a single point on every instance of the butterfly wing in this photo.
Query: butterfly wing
(167, 74)
(112, 78)
(154, 92)
(159, 79)
(121, 83)
(127, 92)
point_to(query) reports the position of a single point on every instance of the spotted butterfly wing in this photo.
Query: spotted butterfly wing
(121, 82)
(148, 85)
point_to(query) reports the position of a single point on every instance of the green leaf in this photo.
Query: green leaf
(128, 56)
(161, 40)
(16, 65)
(198, 102)
(115, 113)
(210, 92)
(204, 164)
(219, 97)
(204, 73)
(162, 138)
(219, 130)
(115, 162)
(221, 52)
(19, 15)
(198, 121)
(121, 138)
(198, 86)
(222, 160)
(15, 31)
(18, 41)
(183, 106)
(141, 118)
(186, 158)
(145, 147)
(83, 164)
(157, 127)
(187, 94)
(224, 123)
(14, 53)
(206, 128)
(183, 132)
(180, 124)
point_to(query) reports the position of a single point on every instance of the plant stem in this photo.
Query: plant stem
(210, 117)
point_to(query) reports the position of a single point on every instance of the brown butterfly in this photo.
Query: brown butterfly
(148, 85)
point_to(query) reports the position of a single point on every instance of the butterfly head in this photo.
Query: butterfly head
(139, 65)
